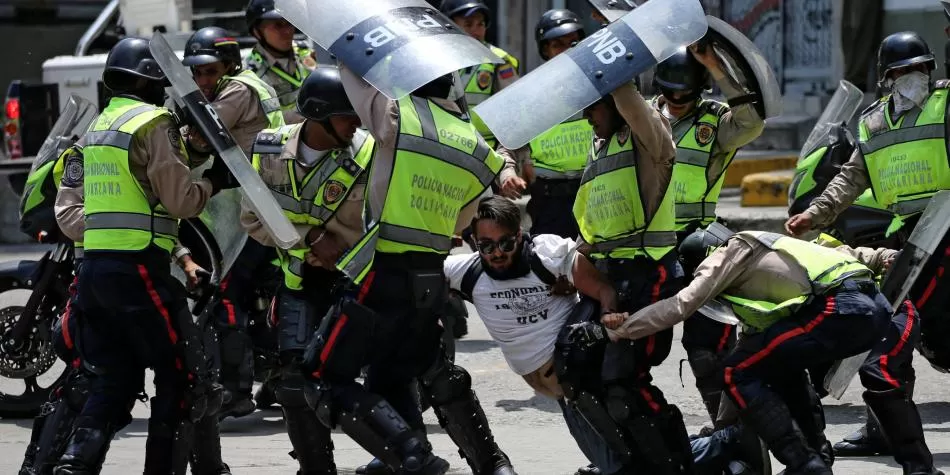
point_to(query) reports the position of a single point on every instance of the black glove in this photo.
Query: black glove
(587, 334)
(220, 176)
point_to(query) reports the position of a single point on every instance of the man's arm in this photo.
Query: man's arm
(844, 188)
(70, 211)
(159, 148)
(590, 282)
(649, 128)
(713, 275)
(379, 113)
(740, 124)
(239, 104)
(877, 260)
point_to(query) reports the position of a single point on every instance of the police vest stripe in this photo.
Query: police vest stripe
(129, 115)
(143, 222)
(697, 158)
(609, 164)
(416, 237)
(902, 135)
(271, 105)
(549, 174)
(641, 239)
(109, 138)
(694, 210)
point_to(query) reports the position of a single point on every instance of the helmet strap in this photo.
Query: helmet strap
(328, 127)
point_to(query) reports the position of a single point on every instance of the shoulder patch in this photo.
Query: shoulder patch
(483, 80)
(174, 137)
(507, 71)
(73, 171)
(333, 191)
(705, 133)
(268, 143)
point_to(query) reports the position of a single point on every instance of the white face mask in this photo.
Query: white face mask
(910, 90)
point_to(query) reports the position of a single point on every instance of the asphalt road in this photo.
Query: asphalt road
(528, 427)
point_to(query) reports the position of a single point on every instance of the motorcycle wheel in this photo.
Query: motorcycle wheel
(28, 373)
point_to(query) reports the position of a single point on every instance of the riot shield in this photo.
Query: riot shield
(720, 312)
(922, 244)
(613, 10)
(203, 113)
(396, 45)
(222, 217)
(743, 61)
(605, 60)
(842, 107)
(72, 124)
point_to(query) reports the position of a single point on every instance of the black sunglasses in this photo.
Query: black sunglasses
(506, 244)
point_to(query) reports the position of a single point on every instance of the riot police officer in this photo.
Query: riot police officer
(553, 161)
(136, 315)
(902, 157)
(483, 80)
(398, 265)
(276, 58)
(708, 134)
(245, 105)
(624, 210)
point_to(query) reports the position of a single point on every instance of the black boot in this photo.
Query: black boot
(806, 409)
(85, 452)
(589, 469)
(900, 423)
(311, 441)
(168, 448)
(868, 440)
(206, 449)
(465, 422)
(769, 417)
(265, 397)
(29, 458)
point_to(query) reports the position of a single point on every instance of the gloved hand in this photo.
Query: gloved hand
(587, 334)
(220, 176)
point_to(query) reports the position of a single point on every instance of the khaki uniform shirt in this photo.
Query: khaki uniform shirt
(242, 112)
(346, 223)
(743, 266)
(280, 85)
(380, 115)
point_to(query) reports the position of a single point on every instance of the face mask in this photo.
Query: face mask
(910, 90)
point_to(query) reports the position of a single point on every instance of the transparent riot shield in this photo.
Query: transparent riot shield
(187, 95)
(607, 59)
(396, 45)
(73, 122)
(743, 61)
(841, 108)
(613, 10)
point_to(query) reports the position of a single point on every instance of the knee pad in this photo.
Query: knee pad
(76, 391)
(621, 404)
(291, 389)
(450, 383)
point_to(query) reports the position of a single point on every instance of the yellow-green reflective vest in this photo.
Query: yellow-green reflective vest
(826, 269)
(118, 215)
(609, 208)
(314, 199)
(906, 159)
(694, 193)
(480, 85)
(441, 165)
(294, 79)
(561, 153)
(269, 101)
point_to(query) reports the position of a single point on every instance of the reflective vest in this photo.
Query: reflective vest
(290, 81)
(118, 215)
(441, 165)
(561, 153)
(694, 193)
(314, 199)
(906, 160)
(609, 208)
(480, 85)
(269, 101)
(826, 269)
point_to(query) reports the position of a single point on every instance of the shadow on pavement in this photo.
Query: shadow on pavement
(474, 346)
(536, 402)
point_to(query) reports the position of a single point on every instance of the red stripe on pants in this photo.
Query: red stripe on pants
(724, 340)
(338, 326)
(67, 337)
(232, 319)
(908, 327)
(933, 282)
(158, 303)
(782, 338)
(654, 298)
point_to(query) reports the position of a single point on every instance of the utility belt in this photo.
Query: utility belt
(154, 258)
(865, 286)
(555, 187)
(409, 261)
(619, 268)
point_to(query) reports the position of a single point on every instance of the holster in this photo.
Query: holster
(342, 342)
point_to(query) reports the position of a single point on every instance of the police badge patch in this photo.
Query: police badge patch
(333, 191)
(484, 79)
(705, 133)
(73, 171)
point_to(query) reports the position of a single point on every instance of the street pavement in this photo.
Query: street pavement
(527, 426)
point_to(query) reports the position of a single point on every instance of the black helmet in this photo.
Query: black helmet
(903, 49)
(322, 96)
(451, 8)
(681, 72)
(211, 45)
(694, 249)
(258, 10)
(555, 24)
(130, 58)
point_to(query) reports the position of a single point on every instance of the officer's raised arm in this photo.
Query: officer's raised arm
(380, 114)
(163, 156)
(649, 128)
(740, 124)
(713, 275)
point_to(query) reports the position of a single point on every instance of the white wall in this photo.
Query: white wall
(896, 5)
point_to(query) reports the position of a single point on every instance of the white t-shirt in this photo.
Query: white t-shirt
(520, 314)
